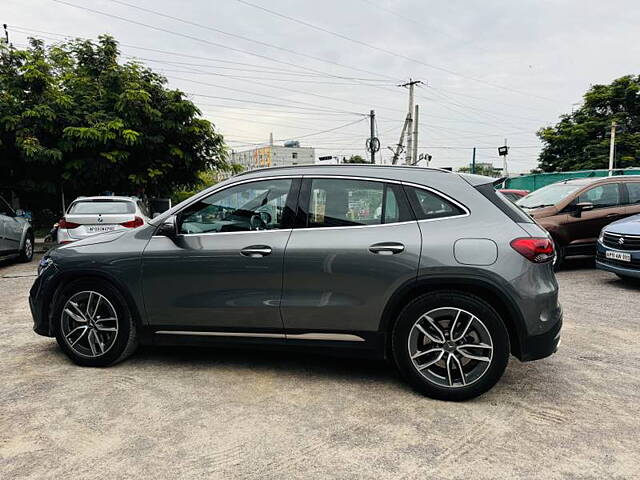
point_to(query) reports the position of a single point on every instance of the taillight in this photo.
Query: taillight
(537, 250)
(62, 223)
(135, 223)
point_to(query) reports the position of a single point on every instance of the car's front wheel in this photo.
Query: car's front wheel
(450, 345)
(26, 254)
(93, 324)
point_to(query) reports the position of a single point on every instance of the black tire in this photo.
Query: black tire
(559, 259)
(26, 254)
(126, 339)
(458, 300)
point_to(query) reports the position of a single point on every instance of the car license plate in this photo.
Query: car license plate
(100, 228)
(623, 257)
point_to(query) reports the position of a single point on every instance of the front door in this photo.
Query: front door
(223, 271)
(10, 229)
(607, 208)
(355, 243)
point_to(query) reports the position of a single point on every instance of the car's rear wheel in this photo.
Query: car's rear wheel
(26, 254)
(558, 259)
(450, 345)
(93, 324)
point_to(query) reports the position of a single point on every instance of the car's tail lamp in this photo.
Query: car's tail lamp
(135, 223)
(62, 223)
(535, 249)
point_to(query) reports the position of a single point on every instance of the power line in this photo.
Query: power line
(389, 52)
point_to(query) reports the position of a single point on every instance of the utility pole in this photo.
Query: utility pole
(414, 155)
(372, 135)
(399, 147)
(6, 33)
(473, 161)
(409, 121)
(612, 147)
(505, 171)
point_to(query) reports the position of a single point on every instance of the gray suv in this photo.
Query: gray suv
(432, 269)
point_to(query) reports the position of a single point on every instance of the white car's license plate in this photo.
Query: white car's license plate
(623, 257)
(100, 228)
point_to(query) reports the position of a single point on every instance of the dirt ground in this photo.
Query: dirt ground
(168, 413)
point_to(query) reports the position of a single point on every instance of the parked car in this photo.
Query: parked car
(618, 248)
(447, 278)
(88, 216)
(513, 194)
(574, 211)
(16, 234)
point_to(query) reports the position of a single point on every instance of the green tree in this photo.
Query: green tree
(355, 159)
(481, 170)
(581, 140)
(73, 117)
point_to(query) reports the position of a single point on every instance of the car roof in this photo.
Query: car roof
(590, 180)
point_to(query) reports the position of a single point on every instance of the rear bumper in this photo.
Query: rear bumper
(535, 347)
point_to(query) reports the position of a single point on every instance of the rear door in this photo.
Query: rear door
(354, 244)
(633, 198)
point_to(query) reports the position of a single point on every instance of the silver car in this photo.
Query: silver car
(433, 270)
(88, 216)
(16, 234)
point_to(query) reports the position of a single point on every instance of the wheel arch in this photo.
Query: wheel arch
(485, 288)
(26, 232)
(69, 277)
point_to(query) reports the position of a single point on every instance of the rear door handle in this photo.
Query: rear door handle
(256, 251)
(387, 248)
(611, 215)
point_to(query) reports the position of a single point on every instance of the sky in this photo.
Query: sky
(312, 70)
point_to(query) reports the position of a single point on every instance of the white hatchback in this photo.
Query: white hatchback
(88, 216)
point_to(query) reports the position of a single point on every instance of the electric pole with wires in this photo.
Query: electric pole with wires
(408, 128)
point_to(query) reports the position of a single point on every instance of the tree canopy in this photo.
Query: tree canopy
(356, 159)
(581, 140)
(73, 117)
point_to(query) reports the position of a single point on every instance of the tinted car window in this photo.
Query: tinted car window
(428, 205)
(251, 206)
(102, 207)
(341, 202)
(634, 192)
(606, 195)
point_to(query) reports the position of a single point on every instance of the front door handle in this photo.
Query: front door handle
(387, 248)
(256, 251)
(612, 215)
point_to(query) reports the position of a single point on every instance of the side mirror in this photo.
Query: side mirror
(581, 207)
(168, 227)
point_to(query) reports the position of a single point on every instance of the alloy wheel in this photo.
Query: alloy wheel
(28, 248)
(450, 347)
(89, 324)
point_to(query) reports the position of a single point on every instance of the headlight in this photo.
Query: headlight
(45, 263)
(601, 237)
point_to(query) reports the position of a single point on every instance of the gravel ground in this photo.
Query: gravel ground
(168, 413)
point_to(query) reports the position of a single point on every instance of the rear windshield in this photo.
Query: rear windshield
(102, 206)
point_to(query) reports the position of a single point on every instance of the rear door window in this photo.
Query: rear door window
(345, 203)
(103, 207)
(634, 192)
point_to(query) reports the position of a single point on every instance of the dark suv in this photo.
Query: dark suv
(574, 211)
(430, 268)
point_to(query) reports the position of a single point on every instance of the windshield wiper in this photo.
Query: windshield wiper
(538, 206)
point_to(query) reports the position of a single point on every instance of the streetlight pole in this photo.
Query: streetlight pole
(612, 147)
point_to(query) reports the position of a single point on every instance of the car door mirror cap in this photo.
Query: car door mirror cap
(581, 207)
(168, 228)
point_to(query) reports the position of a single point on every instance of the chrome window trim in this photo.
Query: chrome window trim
(323, 336)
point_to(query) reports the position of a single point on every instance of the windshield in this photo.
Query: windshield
(102, 207)
(547, 196)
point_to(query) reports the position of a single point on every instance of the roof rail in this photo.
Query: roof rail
(341, 165)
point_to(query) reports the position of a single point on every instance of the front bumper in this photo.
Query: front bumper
(625, 269)
(40, 297)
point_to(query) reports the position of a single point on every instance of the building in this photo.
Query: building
(274, 156)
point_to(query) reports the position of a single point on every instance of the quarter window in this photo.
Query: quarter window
(428, 205)
(341, 202)
(251, 206)
(606, 195)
